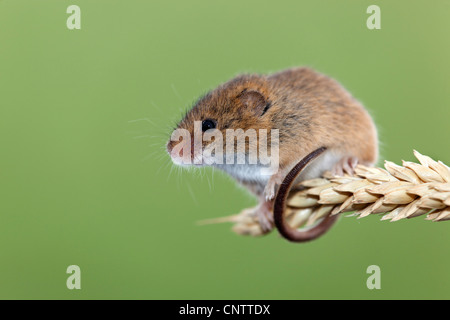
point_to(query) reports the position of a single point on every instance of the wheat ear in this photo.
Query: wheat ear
(396, 192)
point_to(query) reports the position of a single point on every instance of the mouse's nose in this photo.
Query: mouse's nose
(169, 146)
(177, 155)
(181, 151)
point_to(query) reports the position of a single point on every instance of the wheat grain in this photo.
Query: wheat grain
(396, 192)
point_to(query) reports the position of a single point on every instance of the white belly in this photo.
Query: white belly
(246, 172)
(317, 167)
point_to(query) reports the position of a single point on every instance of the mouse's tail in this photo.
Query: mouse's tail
(293, 234)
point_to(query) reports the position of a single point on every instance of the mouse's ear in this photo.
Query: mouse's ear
(254, 101)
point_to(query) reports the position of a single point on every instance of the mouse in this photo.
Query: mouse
(305, 108)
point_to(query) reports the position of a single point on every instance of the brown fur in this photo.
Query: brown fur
(309, 109)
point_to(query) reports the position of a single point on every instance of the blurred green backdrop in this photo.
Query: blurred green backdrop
(85, 180)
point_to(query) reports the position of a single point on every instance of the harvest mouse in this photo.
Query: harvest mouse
(308, 110)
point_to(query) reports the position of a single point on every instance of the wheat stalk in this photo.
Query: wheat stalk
(397, 192)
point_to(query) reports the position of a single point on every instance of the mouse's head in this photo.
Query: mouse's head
(242, 105)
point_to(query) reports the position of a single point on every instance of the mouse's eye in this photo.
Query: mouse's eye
(208, 124)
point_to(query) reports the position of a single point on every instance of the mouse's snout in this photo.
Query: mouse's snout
(169, 146)
(176, 153)
(180, 151)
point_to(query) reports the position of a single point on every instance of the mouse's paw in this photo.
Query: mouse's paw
(346, 165)
(269, 190)
(265, 217)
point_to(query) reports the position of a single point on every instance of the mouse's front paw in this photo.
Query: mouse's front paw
(274, 181)
(269, 191)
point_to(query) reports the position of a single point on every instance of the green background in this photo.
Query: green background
(85, 179)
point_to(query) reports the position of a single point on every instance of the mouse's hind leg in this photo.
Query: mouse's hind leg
(346, 165)
(264, 214)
